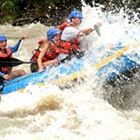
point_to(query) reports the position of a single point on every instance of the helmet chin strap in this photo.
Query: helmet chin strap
(5, 43)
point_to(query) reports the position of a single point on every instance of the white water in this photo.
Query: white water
(79, 113)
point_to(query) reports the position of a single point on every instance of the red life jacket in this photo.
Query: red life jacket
(6, 54)
(72, 45)
(51, 53)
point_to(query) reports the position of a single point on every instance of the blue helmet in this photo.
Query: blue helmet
(3, 38)
(76, 14)
(51, 33)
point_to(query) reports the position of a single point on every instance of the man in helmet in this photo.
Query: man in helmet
(48, 53)
(6, 52)
(71, 30)
(70, 33)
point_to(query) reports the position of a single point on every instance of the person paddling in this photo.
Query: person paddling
(70, 34)
(6, 52)
(47, 52)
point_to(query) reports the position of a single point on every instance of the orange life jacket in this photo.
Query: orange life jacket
(6, 54)
(51, 53)
(72, 45)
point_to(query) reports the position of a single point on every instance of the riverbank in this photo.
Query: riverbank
(45, 19)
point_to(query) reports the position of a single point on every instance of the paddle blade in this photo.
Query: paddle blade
(97, 29)
(11, 62)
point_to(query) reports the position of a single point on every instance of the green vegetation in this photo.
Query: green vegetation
(15, 11)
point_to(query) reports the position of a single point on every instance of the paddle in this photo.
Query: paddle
(97, 29)
(4, 62)
(19, 48)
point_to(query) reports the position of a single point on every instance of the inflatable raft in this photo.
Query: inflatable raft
(110, 66)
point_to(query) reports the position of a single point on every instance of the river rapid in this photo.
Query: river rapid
(84, 112)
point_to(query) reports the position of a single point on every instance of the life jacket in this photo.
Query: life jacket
(6, 54)
(72, 45)
(51, 53)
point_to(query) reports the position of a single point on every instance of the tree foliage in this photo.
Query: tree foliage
(58, 10)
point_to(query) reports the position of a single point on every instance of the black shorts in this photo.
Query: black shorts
(34, 67)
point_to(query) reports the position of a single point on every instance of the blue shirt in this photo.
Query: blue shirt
(13, 49)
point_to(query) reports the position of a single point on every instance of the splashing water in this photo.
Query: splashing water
(79, 113)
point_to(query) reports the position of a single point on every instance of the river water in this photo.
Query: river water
(84, 112)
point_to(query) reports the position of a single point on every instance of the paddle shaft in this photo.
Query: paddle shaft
(19, 48)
